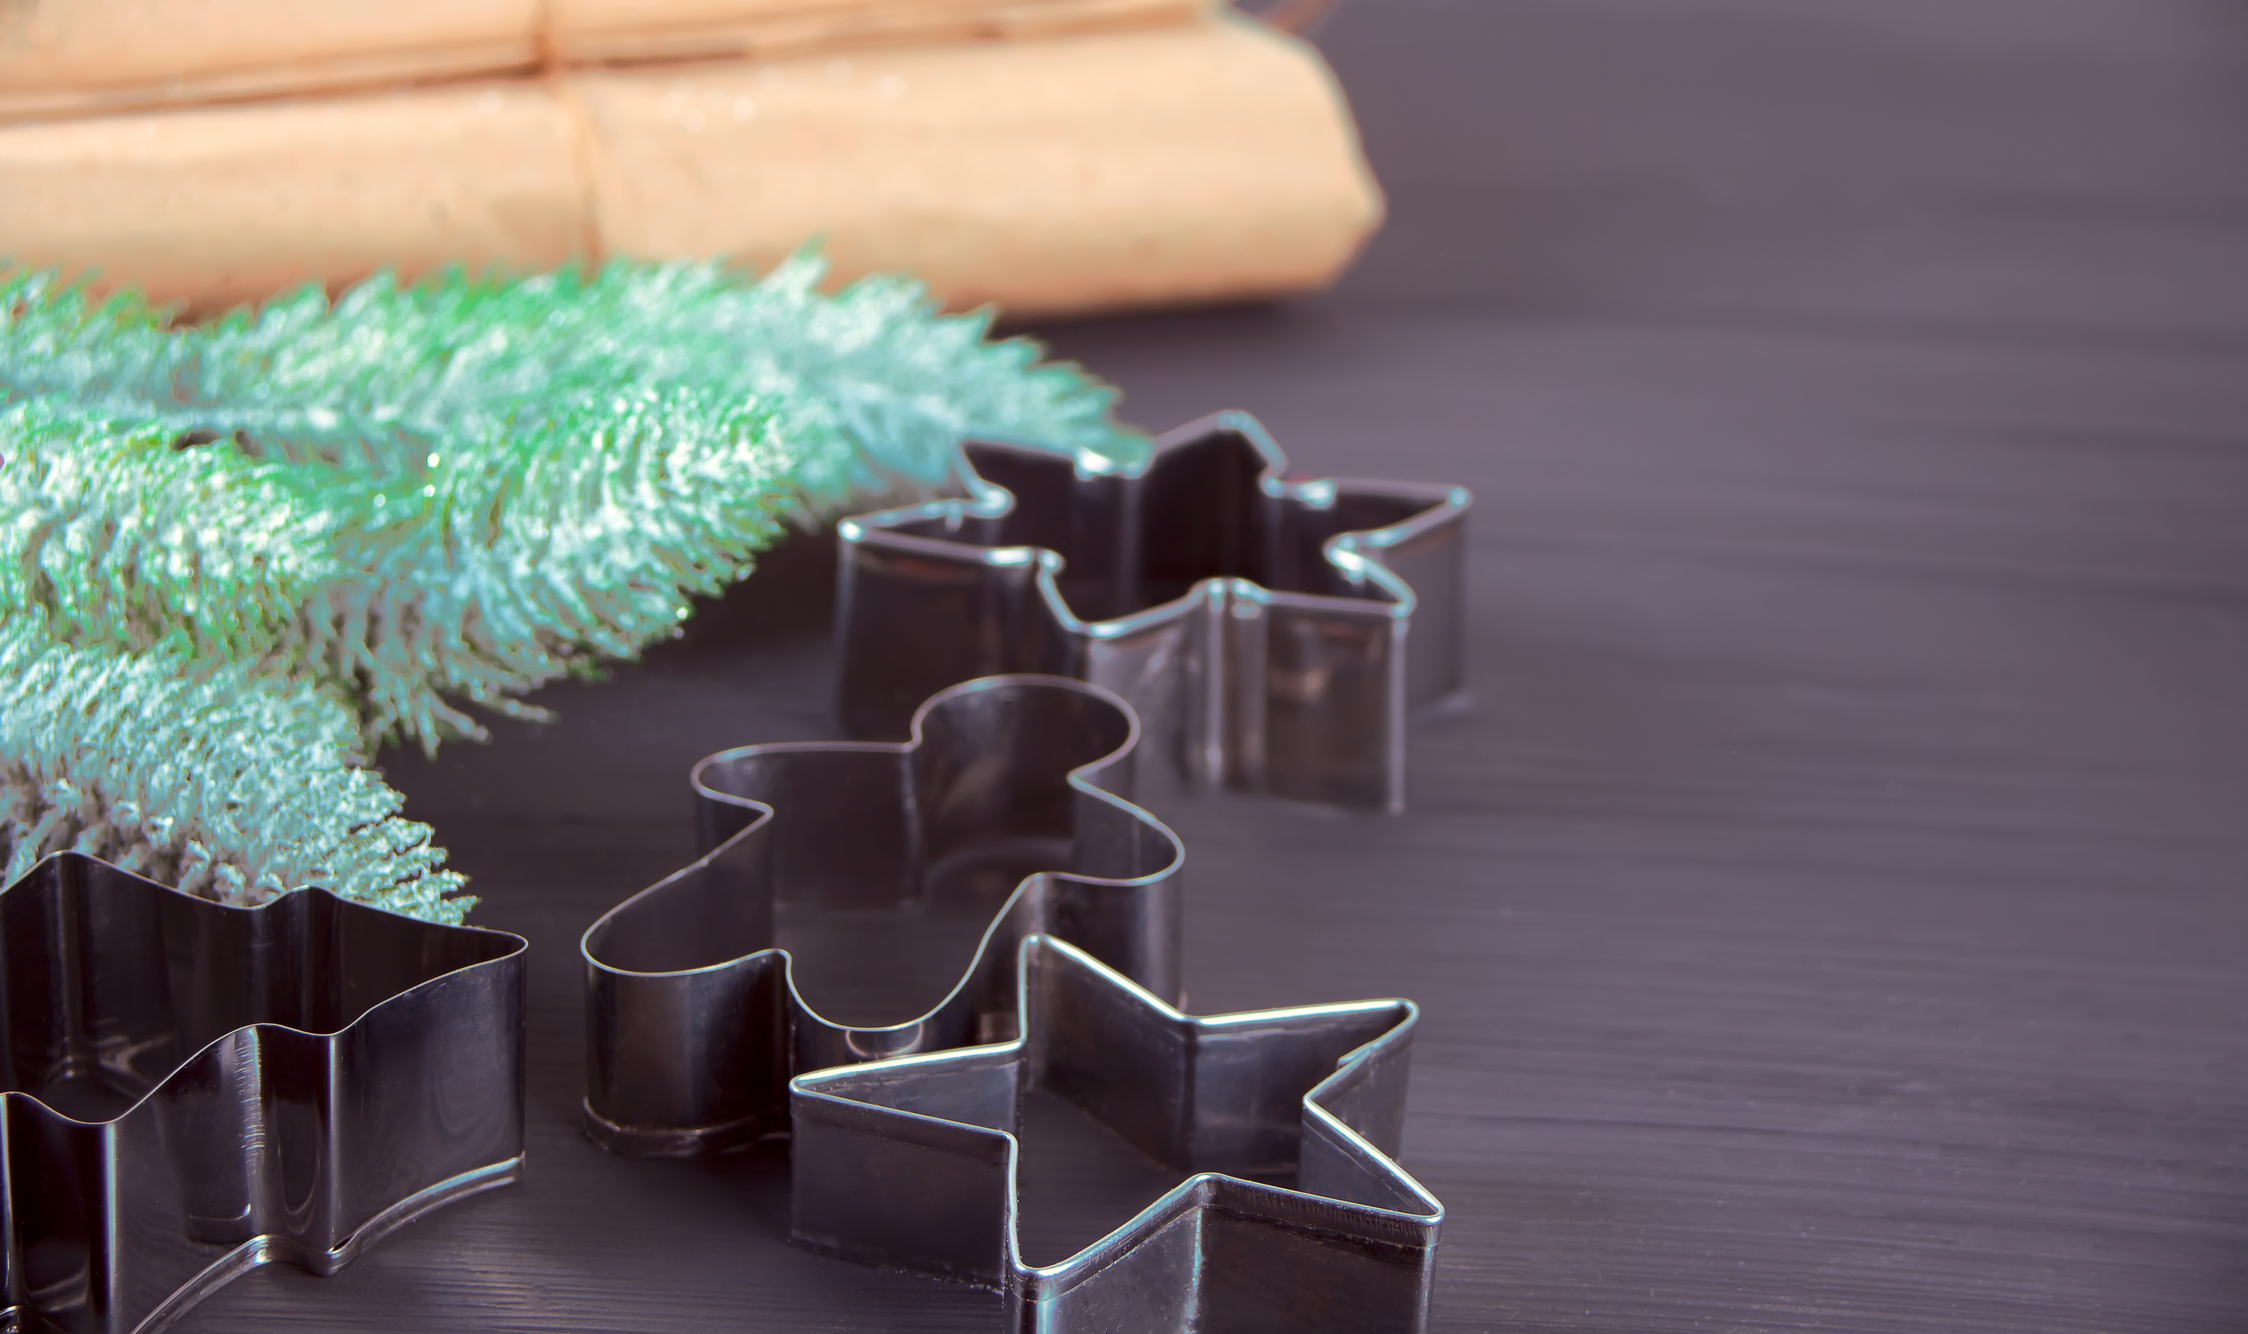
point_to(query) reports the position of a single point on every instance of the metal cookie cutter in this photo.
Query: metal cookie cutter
(999, 818)
(195, 1089)
(1273, 635)
(911, 1163)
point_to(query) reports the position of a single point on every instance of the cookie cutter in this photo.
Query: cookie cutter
(1002, 817)
(1274, 636)
(911, 1163)
(194, 1089)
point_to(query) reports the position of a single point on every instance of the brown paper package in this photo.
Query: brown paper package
(85, 57)
(1201, 159)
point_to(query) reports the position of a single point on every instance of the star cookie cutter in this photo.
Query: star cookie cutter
(194, 1089)
(1000, 818)
(1274, 636)
(911, 1163)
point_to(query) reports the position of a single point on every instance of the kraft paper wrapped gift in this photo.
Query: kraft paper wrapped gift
(1198, 158)
(82, 57)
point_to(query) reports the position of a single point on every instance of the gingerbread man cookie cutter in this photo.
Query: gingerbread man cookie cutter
(999, 819)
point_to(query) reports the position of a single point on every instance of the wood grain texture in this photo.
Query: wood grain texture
(1832, 913)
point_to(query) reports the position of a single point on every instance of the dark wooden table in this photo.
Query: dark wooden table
(1832, 914)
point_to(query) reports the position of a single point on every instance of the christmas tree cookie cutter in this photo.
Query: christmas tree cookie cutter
(195, 1089)
(999, 819)
(911, 1163)
(1274, 636)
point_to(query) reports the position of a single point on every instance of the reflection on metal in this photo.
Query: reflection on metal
(999, 819)
(911, 1163)
(1273, 635)
(195, 1089)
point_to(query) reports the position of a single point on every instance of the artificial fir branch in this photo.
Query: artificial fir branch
(413, 498)
(526, 558)
(203, 776)
(214, 555)
(103, 356)
(870, 383)
(413, 415)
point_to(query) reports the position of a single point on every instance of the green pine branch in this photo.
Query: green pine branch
(205, 777)
(413, 500)
(531, 556)
(109, 532)
(414, 417)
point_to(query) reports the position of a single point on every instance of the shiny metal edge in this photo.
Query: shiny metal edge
(266, 1249)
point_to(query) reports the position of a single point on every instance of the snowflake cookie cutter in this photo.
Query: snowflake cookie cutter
(1274, 636)
(999, 819)
(911, 1163)
(195, 1089)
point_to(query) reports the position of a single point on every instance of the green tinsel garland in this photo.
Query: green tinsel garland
(415, 499)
